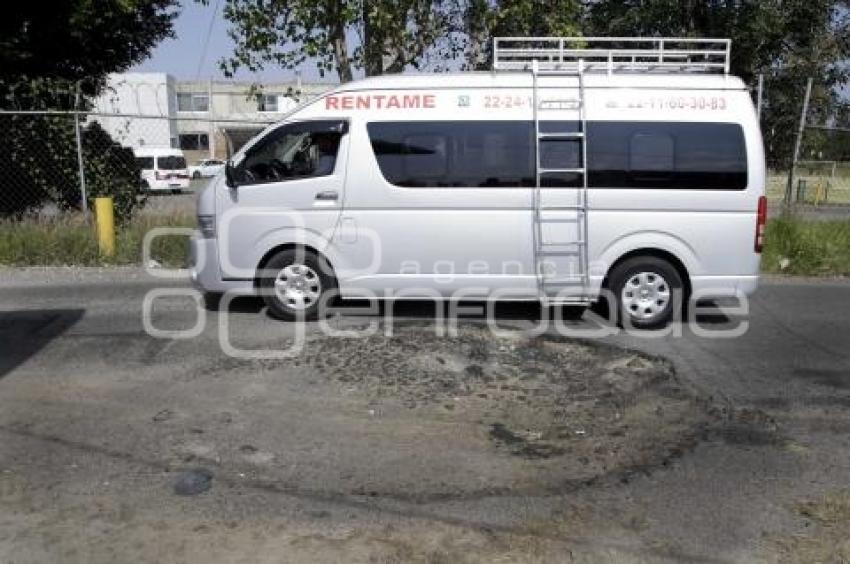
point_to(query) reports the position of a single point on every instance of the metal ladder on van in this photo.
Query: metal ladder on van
(543, 249)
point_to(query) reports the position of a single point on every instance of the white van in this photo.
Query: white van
(163, 168)
(634, 169)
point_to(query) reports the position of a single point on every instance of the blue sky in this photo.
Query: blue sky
(184, 57)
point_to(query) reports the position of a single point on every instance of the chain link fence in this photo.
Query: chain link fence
(819, 173)
(53, 163)
(39, 163)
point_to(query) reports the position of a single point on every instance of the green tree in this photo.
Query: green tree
(58, 57)
(484, 20)
(38, 157)
(45, 51)
(111, 170)
(786, 40)
(338, 36)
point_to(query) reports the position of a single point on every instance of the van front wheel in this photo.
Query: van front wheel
(294, 284)
(648, 291)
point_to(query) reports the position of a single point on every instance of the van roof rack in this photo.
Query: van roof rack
(612, 54)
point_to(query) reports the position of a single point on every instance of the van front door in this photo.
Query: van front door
(286, 188)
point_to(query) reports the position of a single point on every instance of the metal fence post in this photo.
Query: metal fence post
(80, 151)
(789, 187)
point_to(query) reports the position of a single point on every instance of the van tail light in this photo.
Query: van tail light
(761, 221)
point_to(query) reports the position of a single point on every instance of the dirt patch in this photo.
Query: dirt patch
(574, 410)
(826, 534)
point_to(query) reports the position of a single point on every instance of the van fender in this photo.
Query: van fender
(642, 240)
(294, 236)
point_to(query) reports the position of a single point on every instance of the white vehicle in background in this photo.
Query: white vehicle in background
(630, 169)
(162, 169)
(206, 168)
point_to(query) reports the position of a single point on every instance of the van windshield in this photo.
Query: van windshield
(170, 163)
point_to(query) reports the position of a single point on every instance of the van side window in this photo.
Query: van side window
(560, 152)
(651, 158)
(428, 157)
(454, 154)
(171, 162)
(293, 151)
(680, 155)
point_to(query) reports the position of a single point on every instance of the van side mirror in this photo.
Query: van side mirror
(230, 175)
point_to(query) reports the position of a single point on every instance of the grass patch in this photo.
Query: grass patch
(810, 248)
(792, 246)
(71, 241)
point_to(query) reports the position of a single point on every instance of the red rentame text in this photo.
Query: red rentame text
(380, 101)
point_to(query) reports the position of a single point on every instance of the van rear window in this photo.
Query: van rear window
(680, 155)
(145, 163)
(170, 163)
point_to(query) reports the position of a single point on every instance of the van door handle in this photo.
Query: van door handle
(327, 195)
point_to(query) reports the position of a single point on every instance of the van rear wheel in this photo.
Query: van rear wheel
(294, 284)
(648, 291)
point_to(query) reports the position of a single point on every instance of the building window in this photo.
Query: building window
(267, 103)
(193, 102)
(194, 141)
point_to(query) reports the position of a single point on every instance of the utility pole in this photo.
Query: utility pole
(789, 187)
(211, 126)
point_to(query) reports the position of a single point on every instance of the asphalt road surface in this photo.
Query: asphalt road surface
(98, 419)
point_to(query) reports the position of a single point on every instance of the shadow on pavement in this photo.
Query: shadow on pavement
(420, 309)
(428, 309)
(710, 312)
(23, 333)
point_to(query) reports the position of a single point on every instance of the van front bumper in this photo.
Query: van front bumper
(204, 272)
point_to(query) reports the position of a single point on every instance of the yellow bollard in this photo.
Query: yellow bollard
(105, 219)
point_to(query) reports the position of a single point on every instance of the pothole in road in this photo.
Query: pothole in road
(561, 410)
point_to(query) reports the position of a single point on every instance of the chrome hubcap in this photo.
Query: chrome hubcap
(298, 286)
(645, 295)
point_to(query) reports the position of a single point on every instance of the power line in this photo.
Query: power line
(207, 40)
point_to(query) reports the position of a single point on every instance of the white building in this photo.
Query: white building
(139, 94)
(204, 118)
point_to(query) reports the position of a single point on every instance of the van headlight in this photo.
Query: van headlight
(206, 225)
